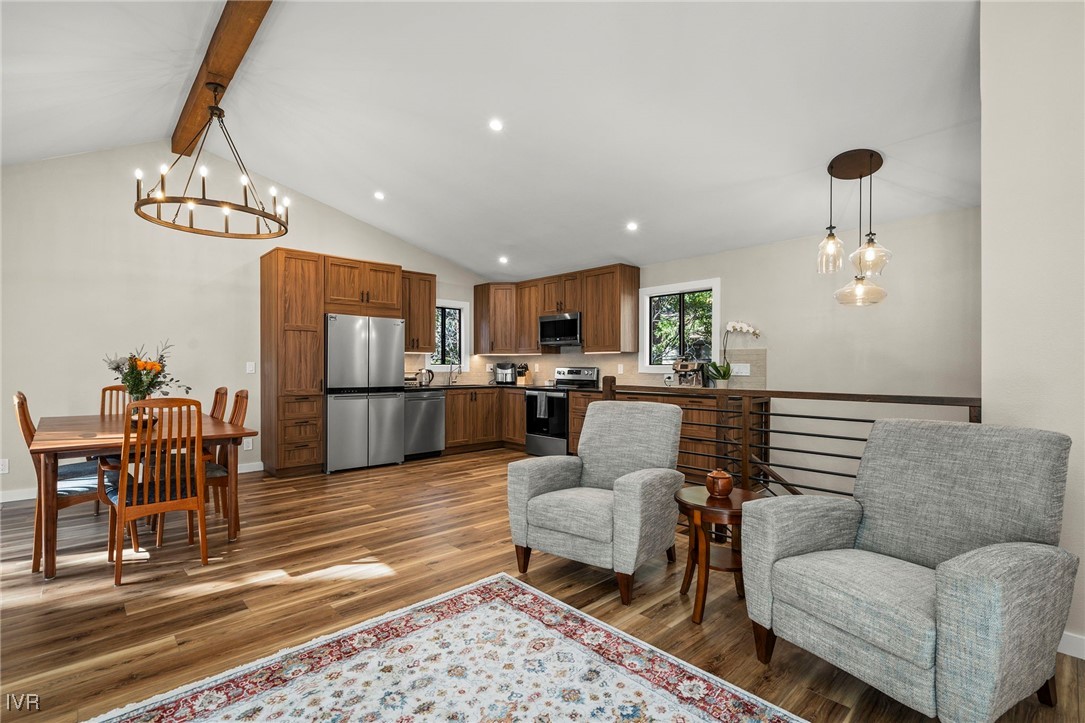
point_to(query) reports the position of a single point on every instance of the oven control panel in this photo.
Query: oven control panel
(577, 377)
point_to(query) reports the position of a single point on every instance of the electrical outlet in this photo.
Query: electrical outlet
(668, 379)
(489, 367)
(246, 444)
(536, 368)
(621, 368)
(250, 367)
(3, 466)
(740, 370)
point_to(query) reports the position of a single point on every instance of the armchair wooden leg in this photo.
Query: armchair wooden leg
(625, 587)
(671, 555)
(764, 641)
(523, 556)
(1047, 694)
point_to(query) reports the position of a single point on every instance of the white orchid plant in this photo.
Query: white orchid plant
(723, 369)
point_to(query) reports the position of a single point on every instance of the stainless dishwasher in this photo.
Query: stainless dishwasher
(424, 422)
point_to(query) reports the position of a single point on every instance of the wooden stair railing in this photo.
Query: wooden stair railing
(749, 444)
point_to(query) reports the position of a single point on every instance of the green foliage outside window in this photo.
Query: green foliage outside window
(680, 324)
(447, 350)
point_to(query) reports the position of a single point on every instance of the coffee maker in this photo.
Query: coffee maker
(505, 373)
(688, 373)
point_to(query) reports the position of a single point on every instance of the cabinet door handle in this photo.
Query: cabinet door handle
(361, 296)
(491, 346)
(367, 297)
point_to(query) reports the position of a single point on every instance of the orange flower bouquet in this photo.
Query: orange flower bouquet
(145, 377)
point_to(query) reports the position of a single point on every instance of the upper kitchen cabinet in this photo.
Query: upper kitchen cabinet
(495, 319)
(528, 309)
(560, 294)
(609, 306)
(419, 310)
(365, 288)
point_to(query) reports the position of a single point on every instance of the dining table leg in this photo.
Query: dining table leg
(234, 519)
(48, 493)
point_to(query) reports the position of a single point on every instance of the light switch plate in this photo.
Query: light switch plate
(3, 466)
(536, 368)
(740, 370)
(246, 444)
(250, 367)
(621, 368)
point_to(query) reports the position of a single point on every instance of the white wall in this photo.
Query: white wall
(1032, 75)
(84, 277)
(923, 339)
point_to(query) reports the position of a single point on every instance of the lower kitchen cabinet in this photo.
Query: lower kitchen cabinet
(472, 416)
(700, 443)
(513, 416)
(578, 407)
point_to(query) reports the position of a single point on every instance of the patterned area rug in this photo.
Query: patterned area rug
(497, 650)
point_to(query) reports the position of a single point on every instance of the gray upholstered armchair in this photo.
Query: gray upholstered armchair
(940, 583)
(613, 506)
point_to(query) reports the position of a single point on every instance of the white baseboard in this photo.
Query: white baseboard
(1073, 645)
(250, 467)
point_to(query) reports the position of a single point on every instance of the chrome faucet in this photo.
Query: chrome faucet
(454, 371)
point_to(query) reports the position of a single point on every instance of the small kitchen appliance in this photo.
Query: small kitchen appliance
(504, 373)
(688, 373)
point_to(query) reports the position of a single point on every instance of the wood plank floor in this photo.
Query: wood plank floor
(318, 554)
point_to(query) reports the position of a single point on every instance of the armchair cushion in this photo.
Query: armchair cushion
(933, 490)
(581, 511)
(530, 478)
(623, 437)
(887, 602)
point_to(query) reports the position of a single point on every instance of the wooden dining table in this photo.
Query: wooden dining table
(102, 434)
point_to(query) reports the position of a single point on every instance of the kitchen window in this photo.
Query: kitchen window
(452, 324)
(678, 320)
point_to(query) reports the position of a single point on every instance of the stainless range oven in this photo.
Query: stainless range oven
(548, 410)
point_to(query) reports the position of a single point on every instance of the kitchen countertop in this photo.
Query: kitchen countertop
(446, 387)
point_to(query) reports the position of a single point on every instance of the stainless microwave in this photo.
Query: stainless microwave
(560, 329)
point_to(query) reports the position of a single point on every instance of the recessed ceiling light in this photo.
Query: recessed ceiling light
(502, 259)
(496, 124)
(379, 195)
(632, 226)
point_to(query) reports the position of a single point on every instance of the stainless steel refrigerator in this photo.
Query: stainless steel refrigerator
(364, 399)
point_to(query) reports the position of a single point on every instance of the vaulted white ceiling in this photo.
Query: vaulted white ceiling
(709, 124)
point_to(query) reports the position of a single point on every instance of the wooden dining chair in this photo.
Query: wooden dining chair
(218, 403)
(217, 473)
(76, 483)
(114, 399)
(164, 450)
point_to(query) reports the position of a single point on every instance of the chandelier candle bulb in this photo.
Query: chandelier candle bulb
(139, 184)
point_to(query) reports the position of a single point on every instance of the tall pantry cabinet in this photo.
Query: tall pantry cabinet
(291, 360)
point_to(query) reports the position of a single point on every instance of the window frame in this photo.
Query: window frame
(466, 341)
(644, 365)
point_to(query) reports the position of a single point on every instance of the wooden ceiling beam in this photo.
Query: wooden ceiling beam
(234, 33)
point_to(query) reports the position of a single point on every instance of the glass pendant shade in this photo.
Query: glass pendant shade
(860, 292)
(870, 258)
(830, 254)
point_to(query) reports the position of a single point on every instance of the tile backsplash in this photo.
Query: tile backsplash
(607, 363)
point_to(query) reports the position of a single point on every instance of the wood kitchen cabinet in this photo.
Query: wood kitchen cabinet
(578, 407)
(560, 294)
(419, 297)
(292, 360)
(495, 319)
(609, 298)
(365, 288)
(471, 417)
(528, 309)
(513, 416)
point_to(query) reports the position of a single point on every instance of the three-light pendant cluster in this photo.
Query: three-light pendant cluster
(871, 257)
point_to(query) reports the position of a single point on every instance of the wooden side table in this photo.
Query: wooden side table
(703, 511)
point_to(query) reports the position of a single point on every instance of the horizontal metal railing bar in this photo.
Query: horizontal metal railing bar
(806, 451)
(810, 469)
(766, 480)
(809, 434)
(816, 416)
